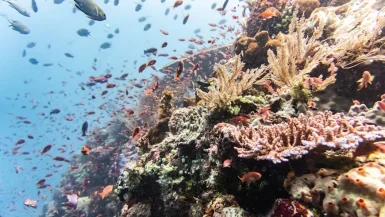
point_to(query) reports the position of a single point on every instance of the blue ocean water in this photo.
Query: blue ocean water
(27, 90)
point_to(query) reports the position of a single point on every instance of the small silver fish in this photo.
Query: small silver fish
(16, 5)
(19, 27)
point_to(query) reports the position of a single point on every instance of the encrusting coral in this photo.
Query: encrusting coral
(230, 83)
(374, 114)
(292, 140)
(357, 192)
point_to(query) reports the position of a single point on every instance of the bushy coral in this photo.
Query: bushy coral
(230, 83)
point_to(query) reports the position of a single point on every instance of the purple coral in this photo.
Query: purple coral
(72, 201)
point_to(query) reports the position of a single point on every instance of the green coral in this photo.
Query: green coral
(252, 99)
(234, 110)
(300, 93)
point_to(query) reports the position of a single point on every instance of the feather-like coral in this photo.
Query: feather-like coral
(230, 82)
(297, 56)
(354, 32)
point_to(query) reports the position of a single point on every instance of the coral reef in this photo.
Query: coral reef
(169, 162)
(298, 136)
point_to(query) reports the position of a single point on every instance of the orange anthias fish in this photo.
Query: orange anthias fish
(107, 190)
(266, 15)
(366, 79)
(85, 150)
(270, 13)
(381, 104)
(250, 177)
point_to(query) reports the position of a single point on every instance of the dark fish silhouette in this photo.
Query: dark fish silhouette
(69, 55)
(186, 19)
(224, 5)
(105, 45)
(83, 32)
(34, 6)
(84, 128)
(147, 27)
(31, 44)
(46, 148)
(33, 61)
(150, 50)
(54, 111)
(138, 7)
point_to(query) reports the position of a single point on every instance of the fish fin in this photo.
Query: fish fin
(360, 80)
(77, 6)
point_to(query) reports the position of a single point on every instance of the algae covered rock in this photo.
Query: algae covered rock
(254, 49)
(306, 7)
